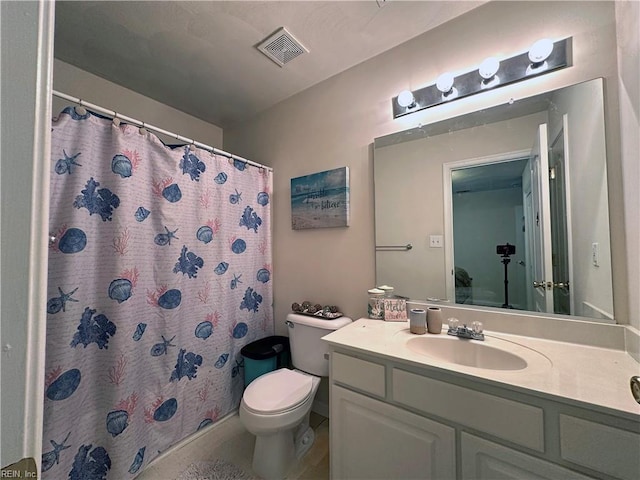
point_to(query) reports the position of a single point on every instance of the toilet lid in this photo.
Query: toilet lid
(277, 391)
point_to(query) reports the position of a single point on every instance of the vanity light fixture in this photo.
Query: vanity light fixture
(406, 99)
(538, 54)
(544, 56)
(444, 84)
(488, 70)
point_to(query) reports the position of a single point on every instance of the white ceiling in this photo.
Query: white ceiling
(201, 57)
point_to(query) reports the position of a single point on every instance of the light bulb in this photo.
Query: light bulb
(489, 67)
(540, 50)
(406, 99)
(444, 83)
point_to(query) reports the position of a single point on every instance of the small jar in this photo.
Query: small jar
(376, 304)
(387, 290)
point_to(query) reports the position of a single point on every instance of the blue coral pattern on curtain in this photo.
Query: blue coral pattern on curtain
(159, 273)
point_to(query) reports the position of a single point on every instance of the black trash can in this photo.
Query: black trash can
(264, 356)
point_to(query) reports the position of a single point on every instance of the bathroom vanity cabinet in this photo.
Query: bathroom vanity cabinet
(393, 419)
(378, 440)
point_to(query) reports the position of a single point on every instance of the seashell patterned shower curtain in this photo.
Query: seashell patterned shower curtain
(159, 273)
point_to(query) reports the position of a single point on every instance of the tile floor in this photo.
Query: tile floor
(231, 442)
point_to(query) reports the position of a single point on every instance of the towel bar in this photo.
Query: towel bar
(408, 246)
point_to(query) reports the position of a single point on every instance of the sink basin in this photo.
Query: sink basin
(491, 354)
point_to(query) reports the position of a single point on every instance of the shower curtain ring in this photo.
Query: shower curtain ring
(80, 110)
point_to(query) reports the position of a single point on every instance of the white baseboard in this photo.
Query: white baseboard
(185, 441)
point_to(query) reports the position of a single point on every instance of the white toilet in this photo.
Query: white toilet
(275, 407)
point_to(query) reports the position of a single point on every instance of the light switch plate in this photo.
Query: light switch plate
(435, 241)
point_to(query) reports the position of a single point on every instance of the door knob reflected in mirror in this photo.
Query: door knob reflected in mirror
(543, 285)
(564, 285)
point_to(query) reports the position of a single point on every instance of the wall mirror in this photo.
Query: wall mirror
(501, 208)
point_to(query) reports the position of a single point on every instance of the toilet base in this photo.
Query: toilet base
(274, 455)
(304, 440)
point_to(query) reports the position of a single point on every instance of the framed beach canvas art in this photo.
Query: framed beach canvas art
(320, 200)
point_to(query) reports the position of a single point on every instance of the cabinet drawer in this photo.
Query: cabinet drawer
(361, 374)
(516, 422)
(482, 459)
(603, 448)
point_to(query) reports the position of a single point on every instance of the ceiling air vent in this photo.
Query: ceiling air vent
(282, 47)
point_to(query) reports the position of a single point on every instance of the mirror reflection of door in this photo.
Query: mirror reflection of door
(529, 215)
(520, 202)
(540, 235)
(487, 211)
(560, 221)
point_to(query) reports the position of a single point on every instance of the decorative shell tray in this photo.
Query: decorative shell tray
(321, 314)
(328, 312)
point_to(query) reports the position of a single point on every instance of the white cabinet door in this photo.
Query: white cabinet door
(373, 440)
(600, 447)
(484, 460)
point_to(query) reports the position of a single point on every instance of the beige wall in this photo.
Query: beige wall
(91, 88)
(628, 23)
(334, 123)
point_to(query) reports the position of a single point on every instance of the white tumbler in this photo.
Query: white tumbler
(418, 321)
(434, 320)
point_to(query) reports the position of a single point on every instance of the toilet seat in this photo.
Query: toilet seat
(277, 392)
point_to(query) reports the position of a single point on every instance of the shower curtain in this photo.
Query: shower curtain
(159, 273)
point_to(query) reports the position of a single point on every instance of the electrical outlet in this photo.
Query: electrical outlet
(435, 241)
(595, 254)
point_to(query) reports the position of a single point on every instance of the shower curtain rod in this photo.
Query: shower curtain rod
(153, 128)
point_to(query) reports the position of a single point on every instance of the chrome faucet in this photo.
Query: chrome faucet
(474, 333)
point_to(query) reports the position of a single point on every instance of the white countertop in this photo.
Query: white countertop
(574, 373)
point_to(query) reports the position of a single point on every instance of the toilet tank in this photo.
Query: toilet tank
(307, 347)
